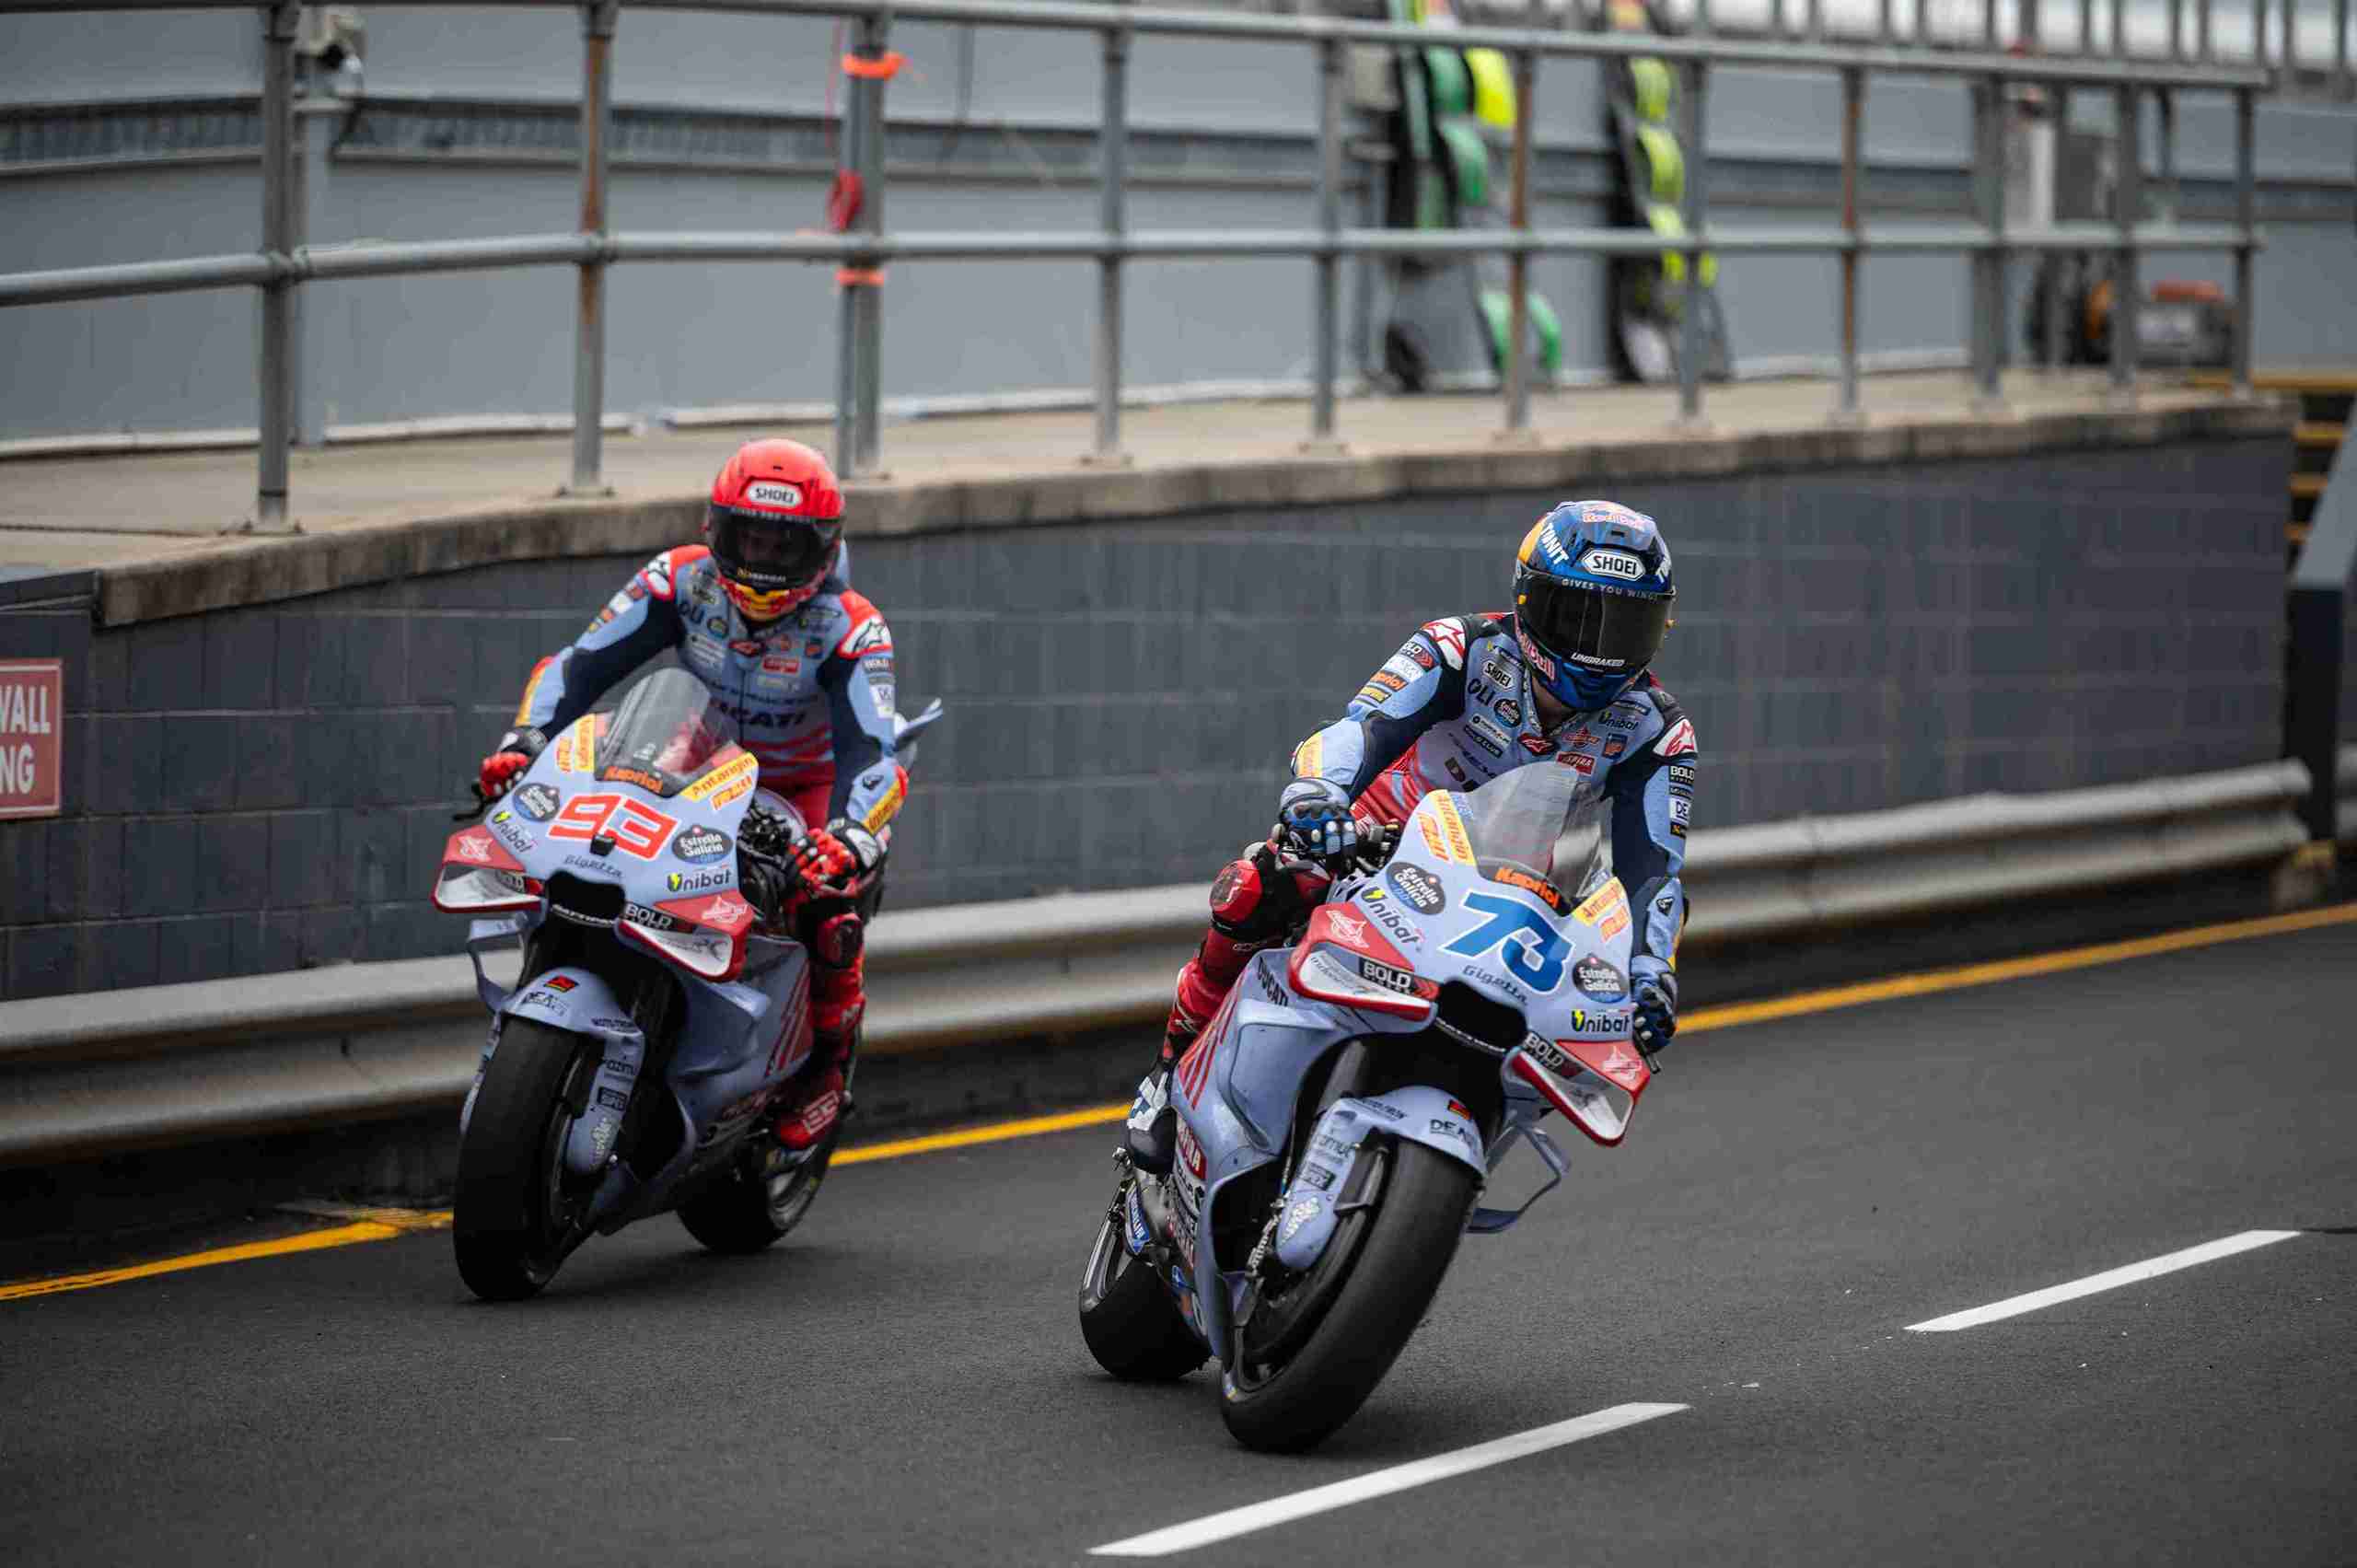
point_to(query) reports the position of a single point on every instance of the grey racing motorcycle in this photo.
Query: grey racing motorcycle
(1340, 1114)
(627, 1072)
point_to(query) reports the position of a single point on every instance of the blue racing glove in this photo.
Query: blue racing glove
(1657, 988)
(1313, 818)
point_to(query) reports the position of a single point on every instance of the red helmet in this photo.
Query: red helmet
(775, 525)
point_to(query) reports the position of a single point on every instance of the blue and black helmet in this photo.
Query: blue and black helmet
(1592, 597)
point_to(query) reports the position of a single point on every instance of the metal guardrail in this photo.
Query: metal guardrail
(284, 261)
(2345, 828)
(98, 1074)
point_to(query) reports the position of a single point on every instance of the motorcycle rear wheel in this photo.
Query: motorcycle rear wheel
(1401, 1260)
(745, 1211)
(510, 1223)
(1126, 1314)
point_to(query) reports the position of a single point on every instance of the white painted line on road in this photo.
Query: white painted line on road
(1341, 1493)
(2110, 1279)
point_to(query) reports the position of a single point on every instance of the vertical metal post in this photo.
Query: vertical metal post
(2176, 29)
(1884, 21)
(1923, 21)
(2245, 183)
(1326, 280)
(2050, 268)
(589, 316)
(2165, 101)
(1776, 18)
(1518, 264)
(1853, 92)
(2087, 27)
(869, 298)
(1113, 178)
(2258, 31)
(2127, 194)
(316, 115)
(847, 299)
(1696, 81)
(2202, 46)
(275, 365)
(2341, 45)
(2119, 27)
(1703, 17)
(1988, 309)
(1817, 17)
(1988, 23)
(2291, 40)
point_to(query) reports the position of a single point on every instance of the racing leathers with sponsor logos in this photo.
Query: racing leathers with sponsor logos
(1461, 702)
(811, 695)
(802, 664)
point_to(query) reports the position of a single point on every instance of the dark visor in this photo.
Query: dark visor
(1588, 627)
(764, 549)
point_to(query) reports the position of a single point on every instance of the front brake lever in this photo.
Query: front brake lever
(483, 804)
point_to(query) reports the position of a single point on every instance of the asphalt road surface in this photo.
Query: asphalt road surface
(903, 1382)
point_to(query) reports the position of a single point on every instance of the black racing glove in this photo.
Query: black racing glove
(1656, 987)
(1313, 820)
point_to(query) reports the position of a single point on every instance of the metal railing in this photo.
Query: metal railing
(285, 261)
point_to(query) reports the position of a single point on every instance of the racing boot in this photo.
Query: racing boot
(821, 1097)
(1153, 1131)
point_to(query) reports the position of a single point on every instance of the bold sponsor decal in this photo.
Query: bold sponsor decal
(1602, 902)
(638, 776)
(1191, 1153)
(1536, 887)
(1533, 657)
(869, 637)
(1460, 846)
(1487, 736)
(1598, 1023)
(739, 769)
(1578, 761)
(1537, 745)
(698, 846)
(1419, 887)
(1390, 919)
(1449, 636)
(537, 801)
(774, 493)
(1599, 979)
(1681, 775)
(561, 982)
(1346, 929)
(577, 749)
(1308, 756)
(1614, 924)
(1681, 812)
(1677, 742)
(1385, 680)
(1615, 563)
(511, 832)
(1419, 655)
(1614, 747)
(1509, 710)
(697, 881)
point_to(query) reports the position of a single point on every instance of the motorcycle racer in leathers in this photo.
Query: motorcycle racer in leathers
(802, 665)
(1564, 679)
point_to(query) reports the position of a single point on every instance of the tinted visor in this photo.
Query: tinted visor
(1591, 628)
(770, 551)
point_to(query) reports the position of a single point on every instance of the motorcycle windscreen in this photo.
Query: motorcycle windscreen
(667, 735)
(1540, 822)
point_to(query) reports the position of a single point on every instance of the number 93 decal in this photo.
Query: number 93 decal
(1535, 950)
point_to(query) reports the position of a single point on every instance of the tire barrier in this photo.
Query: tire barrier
(113, 1071)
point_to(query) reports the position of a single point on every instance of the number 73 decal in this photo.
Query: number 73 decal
(1535, 950)
(636, 829)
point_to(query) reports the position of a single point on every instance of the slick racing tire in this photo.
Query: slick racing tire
(747, 1210)
(1401, 1259)
(1127, 1317)
(511, 1214)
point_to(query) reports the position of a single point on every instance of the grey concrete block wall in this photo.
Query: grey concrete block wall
(269, 788)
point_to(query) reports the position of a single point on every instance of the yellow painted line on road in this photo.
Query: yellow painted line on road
(1969, 975)
(385, 1224)
(309, 1241)
(996, 1131)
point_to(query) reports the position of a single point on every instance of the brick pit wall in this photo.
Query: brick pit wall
(269, 788)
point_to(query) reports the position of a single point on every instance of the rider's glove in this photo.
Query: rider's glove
(1313, 818)
(502, 767)
(1657, 988)
(836, 859)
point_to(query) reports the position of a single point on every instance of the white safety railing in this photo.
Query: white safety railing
(284, 261)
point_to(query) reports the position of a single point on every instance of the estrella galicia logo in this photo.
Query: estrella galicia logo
(1599, 979)
(698, 846)
(1417, 886)
(538, 801)
(700, 881)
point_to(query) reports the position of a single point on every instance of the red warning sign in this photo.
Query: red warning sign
(33, 703)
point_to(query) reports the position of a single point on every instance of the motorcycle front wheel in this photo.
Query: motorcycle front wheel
(512, 1214)
(1303, 1369)
(1126, 1314)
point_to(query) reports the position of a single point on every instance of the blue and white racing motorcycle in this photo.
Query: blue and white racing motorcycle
(627, 1072)
(1340, 1114)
